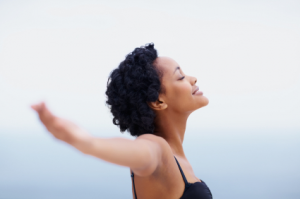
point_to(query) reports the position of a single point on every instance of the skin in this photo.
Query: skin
(150, 157)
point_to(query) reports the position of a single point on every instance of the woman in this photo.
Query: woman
(150, 97)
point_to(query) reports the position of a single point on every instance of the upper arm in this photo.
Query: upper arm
(154, 149)
(143, 155)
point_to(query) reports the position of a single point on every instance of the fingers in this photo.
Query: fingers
(36, 107)
(44, 113)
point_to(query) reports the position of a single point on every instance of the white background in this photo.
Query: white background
(245, 55)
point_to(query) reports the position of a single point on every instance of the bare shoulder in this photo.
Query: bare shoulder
(155, 139)
(155, 149)
(165, 166)
(151, 137)
(164, 148)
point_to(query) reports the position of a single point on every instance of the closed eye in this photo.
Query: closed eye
(182, 78)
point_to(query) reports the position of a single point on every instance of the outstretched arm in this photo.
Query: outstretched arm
(142, 155)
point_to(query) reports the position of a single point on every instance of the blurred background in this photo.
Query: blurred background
(245, 55)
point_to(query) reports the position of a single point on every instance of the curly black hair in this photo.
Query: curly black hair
(130, 86)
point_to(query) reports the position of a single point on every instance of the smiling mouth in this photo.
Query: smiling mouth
(195, 90)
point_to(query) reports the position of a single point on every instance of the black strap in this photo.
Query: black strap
(183, 176)
(132, 176)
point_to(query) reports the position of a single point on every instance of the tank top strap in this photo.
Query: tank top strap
(187, 184)
(132, 176)
(183, 176)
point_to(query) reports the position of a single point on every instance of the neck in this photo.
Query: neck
(171, 126)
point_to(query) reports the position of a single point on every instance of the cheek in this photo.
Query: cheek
(181, 99)
(183, 90)
(181, 96)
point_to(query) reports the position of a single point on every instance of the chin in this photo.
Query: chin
(207, 101)
(204, 102)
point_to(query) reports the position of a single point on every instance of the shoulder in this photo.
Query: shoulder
(164, 156)
(163, 148)
(160, 141)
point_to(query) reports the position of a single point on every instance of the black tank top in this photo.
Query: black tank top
(197, 190)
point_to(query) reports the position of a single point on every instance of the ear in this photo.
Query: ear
(158, 105)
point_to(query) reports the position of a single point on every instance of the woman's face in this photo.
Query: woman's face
(181, 95)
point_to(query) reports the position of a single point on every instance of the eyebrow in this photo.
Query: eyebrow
(177, 68)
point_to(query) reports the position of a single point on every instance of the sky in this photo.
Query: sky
(245, 55)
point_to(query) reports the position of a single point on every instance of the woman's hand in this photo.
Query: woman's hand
(61, 129)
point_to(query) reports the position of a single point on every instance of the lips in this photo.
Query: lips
(197, 88)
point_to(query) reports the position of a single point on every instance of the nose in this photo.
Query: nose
(193, 80)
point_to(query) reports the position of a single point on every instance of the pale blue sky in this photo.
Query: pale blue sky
(245, 56)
